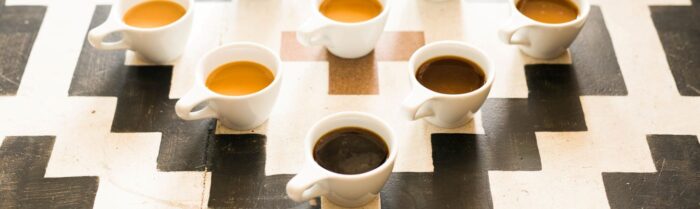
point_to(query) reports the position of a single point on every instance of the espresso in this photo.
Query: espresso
(350, 150)
(548, 11)
(239, 78)
(351, 10)
(154, 13)
(450, 75)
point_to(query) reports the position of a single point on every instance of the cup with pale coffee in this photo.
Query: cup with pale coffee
(347, 28)
(349, 156)
(450, 80)
(544, 28)
(156, 30)
(236, 83)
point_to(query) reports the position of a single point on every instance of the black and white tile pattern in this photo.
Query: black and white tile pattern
(612, 124)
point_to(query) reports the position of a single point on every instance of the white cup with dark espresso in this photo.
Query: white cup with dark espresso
(544, 28)
(237, 83)
(156, 30)
(349, 156)
(450, 81)
(347, 28)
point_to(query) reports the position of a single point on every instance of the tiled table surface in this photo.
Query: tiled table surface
(612, 124)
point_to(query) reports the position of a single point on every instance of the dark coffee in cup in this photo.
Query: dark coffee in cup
(450, 75)
(350, 150)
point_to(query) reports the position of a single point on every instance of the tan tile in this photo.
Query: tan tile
(352, 76)
(292, 50)
(355, 76)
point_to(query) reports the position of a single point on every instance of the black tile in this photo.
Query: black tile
(102, 72)
(436, 191)
(675, 152)
(676, 184)
(23, 162)
(551, 81)
(679, 30)
(237, 165)
(553, 99)
(19, 26)
(594, 69)
(460, 178)
(143, 104)
(410, 191)
(461, 161)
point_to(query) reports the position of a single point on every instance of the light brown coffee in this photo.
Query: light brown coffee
(153, 14)
(351, 10)
(239, 78)
(549, 11)
(450, 75)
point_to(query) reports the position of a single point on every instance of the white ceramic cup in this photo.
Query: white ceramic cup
(542, 40)
(344, 190)
(446, 110)
(243, 112)
(159, 45)
(346, 40)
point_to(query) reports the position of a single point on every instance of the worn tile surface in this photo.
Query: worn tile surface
(611, 124)
(19, 26)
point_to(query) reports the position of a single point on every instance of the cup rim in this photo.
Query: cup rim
(385, 11)
(584, 6)
(120, 16)
(490, 75)
(310, 143)
(201, 78)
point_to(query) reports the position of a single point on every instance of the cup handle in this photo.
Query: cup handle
(184, 106)
(416, 99)
(507, 32)
(97, 35)
(307, 184)
(311, 32)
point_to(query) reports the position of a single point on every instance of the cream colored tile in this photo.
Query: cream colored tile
(56, 48)
(538, 190)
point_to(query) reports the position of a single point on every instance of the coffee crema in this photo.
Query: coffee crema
(154, 13)
(350, 150)
(239, 78)
(351, 10)
(450, 75)
(549, 11)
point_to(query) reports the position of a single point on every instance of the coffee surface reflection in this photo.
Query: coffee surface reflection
(153, 14)
(549, 11)
(239, 78)
(351, 10)
(450, 75)
(350, 150)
